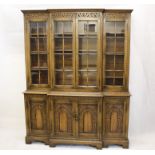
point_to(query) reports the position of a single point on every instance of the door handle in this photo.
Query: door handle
(76, 117)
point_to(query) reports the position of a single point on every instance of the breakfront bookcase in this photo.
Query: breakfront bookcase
(77, 67)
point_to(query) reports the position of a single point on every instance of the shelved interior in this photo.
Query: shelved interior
(38, 50)
(87, 53)
(63, 50)
(114, 52)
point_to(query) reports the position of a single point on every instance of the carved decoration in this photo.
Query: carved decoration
(75, 14)
(88, 14)
(88, 113)
(114, 118)
(116, 16)
(63, 118)
(38, 115)
(63, 14)
(40, 16)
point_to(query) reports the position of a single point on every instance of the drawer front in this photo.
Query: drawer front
(115, 116)
(36, 114)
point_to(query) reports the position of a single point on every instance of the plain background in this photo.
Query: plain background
(13, 81)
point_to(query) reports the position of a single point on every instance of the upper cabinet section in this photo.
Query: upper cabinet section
(80, 49)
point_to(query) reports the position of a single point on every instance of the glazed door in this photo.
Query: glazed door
(115, 116)
(36, 112)
(62, 117)
(88, 51)
(37, 57)
(63, 50)
(116, 35)
(89, 117)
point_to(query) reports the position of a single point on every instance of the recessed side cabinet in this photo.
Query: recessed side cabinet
(116, 110)
(77, 73)
(36, 118)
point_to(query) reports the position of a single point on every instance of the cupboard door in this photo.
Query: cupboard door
(88, 38)
(116, 35)
(36, 109)
(89, 117)
(115, 116)
(63, 117)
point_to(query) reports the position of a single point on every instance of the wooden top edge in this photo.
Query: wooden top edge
(118, 10)
(116, 94)
(41, 92)
(79, 9)
(87, 94)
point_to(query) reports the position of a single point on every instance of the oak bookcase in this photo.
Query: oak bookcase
(77, 72)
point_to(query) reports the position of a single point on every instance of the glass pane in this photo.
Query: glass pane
(83, 61)
(58, 43)
(110, 44)
(43, 77)
(68, 43)
(92, 61)
(68, 75)
(35, 77)
(42, 27)
(68, 61)
(58, 61)
(59, 78)
(119, 81)
(82, 78)
(109, 74)
(42, 44)
(58, 27)
(82, 44)
(67, 27)
(118, 73)
(119, 44)
(82, 27)
(115, 33)
(119, 62)
(92, 78)
(43, 60)
(120, 28)
(33, 44)
(109, 81)
(92, 43)
(110, 29)
(109, 62)
(92, 26)
(33, 28)
(34, 60)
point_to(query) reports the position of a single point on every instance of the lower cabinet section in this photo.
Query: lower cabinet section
(94, 121)
(36, 109)
(115, 121)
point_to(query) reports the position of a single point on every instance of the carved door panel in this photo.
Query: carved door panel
(37, 114)
(115, 116)
(89, 117)
(63, 117)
